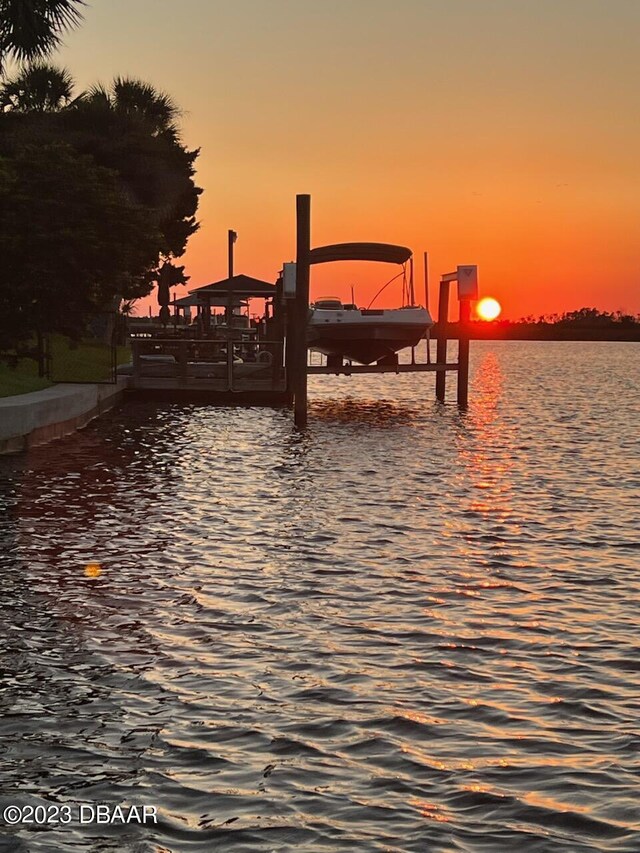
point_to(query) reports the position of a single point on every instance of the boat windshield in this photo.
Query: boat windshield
(331, 303)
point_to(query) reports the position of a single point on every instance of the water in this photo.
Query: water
(408, 629)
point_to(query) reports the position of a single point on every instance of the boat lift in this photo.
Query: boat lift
(173, 366)
(298, 368)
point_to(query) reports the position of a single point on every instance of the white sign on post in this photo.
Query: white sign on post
(289, 279)
(468, 282)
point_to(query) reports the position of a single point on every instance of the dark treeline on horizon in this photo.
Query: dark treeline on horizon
(588, 324)
(580, 317)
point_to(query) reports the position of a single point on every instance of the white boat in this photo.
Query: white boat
(364, 335)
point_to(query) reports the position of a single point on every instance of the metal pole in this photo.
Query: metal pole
(301, 308)
(412, 301)
(426, 303)
(441, 348)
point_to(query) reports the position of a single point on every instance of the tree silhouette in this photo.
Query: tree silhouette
(31, 29)
(40, 87)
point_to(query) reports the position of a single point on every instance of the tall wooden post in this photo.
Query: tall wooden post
(301, 309)
(228, 311)
(463, 352)
(441, 348)
(232, 237)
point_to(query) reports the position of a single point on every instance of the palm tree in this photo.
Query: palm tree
(131, 126)
(157, 108)
(130, 99)
(40, 87)
(31, 29)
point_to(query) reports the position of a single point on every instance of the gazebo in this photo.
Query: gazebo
(229, 293)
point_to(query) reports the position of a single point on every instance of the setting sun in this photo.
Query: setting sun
(488, 308)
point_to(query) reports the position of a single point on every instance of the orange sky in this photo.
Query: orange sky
(497, 132)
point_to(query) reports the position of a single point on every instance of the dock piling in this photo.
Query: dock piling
(301, 309)
(441, 348)
(463, 352)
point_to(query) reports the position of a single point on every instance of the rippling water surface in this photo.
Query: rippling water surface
(406, 629)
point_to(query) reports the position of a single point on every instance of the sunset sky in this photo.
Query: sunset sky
(503, 133)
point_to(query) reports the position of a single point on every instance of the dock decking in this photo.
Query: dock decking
(181, 369)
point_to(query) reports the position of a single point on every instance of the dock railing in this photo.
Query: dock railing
(208, 363)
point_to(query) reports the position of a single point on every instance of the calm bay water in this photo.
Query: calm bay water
(408, 629)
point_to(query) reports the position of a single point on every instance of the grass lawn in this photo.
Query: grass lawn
(22, 380)
(89, 362)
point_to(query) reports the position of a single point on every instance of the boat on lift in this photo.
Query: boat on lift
(364, 335)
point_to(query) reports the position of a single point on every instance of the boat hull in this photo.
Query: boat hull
(364, 343)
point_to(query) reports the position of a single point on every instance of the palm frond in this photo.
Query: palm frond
(31, 29)
(40, 87)
(143, 99)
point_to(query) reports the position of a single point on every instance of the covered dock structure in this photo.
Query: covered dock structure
(224, 356)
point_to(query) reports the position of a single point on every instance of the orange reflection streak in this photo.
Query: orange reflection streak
(486, 468)
(414, 716)
(536, 799)
(484, 451)
(432, 811)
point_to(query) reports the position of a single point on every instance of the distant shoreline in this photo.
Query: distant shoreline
(506, 331)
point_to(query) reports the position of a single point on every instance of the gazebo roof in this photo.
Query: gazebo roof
(243, 286)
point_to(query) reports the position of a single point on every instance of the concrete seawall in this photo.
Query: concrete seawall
(31, 419)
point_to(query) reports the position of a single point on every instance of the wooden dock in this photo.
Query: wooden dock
(354, 369)
(175, 368)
